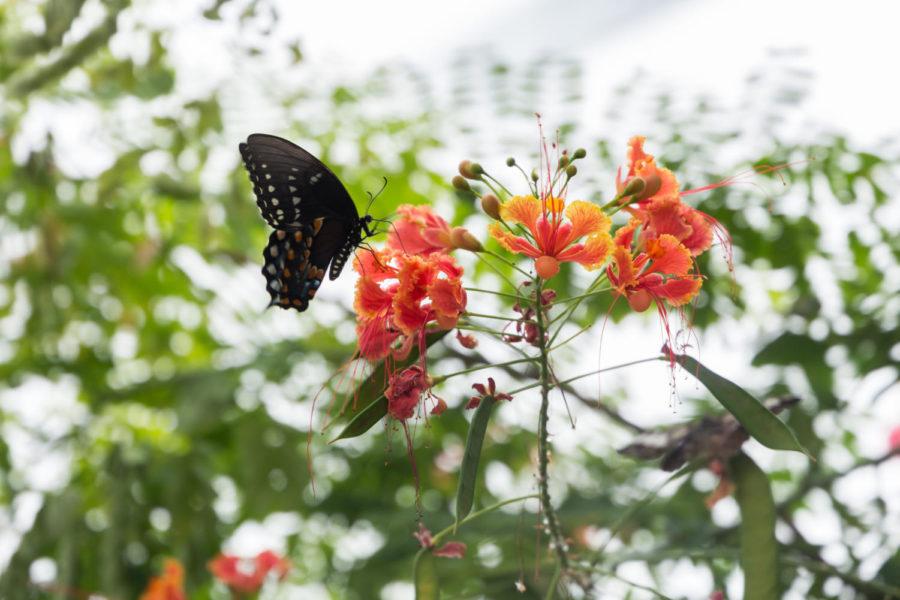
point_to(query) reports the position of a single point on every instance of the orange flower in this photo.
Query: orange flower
(167, 586)
(553, 232)
(658, 209)
(420, 231)
(398, 295)
(245, 576)
(663, 271)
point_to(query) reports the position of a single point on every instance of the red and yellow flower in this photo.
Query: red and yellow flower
(398, 295)
(246, 576)
(169, 585)
(658, 209)
(663, 271)
(418, 231)
(554, 232)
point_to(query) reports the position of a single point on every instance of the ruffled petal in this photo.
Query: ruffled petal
(592, 254)
(513, 243)
(677, 291)
(587, 218)
(622, 273)
(448, 301)
(669, 256)
(521, 209)
(665, 215)
(701, 236)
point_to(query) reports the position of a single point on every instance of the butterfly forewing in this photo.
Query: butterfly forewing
(291, 185)
(315, 220)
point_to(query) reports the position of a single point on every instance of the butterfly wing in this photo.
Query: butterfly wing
(292, 186)
(315, 219)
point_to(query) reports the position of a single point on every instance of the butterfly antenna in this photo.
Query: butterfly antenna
(378, 193)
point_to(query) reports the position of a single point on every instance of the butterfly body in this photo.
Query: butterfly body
(317, 226)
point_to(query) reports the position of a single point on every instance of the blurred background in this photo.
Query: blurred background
(150, 406)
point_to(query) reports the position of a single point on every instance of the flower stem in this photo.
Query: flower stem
(478, 513)
(484, 316)
(508, 262)
(588, 374)
(495, 269)
(556, 538)
(442, 378)
(495, 293)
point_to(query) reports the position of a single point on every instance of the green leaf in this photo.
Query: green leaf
(426, 577)
(759, 550)
(373, 387)
(468, 472)
(759, 422)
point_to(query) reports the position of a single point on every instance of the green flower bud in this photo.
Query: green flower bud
(571, 170)
(460, 183)
(510, 162)
(579, 153)
(534, 175)
(490, 204)
(635, 186)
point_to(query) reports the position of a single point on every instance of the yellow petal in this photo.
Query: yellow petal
(587, 218)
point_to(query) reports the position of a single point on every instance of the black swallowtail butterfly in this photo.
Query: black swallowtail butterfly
(315, 220)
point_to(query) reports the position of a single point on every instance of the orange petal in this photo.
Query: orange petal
(521, 209)
(636, 155)
(586, 218)
(592, 254)
(678, 291)
(448, 300)
(370, 300)
(621, 272)
(669, 256)
(665, 215)
(701, 235)
(513, 243)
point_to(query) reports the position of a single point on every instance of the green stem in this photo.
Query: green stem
(478, 513)
(501, 294)
(568, 339)
(484, 316)
(556, 537)
(554, 581)
(508, 262)
(443, 378)
(495, 180)
(495, 269)
(581, 297)
(468, 326)
(588, 374)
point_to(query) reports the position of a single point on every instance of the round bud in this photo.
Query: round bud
(461, 238)
(490, 204)
(510, 162)
(546, 267)
(651, 186)
(635, 186)
(460, 183)
(563, 161)
(465, 168)
(571, 170)
(579, 153)
(534, 175)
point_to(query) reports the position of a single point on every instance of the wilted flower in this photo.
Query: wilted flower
(489, 391)
(555, 233)
(169, 585)
(448, 550)
(246, 576)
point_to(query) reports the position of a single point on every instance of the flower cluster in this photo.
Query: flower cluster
(654, 251)
(405, 290)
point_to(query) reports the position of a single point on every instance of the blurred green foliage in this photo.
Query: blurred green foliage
(122, 286)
